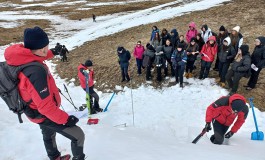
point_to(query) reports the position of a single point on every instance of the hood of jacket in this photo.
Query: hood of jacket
(228, 40)
(262, 40)
(18, 55)
(192, 24)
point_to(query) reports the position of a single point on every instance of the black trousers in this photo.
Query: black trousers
(75, 134)
(124, 71)
(219, 132)
(223, 68)
(205, 69)
(216, 63)
(254, 78)
(148, 72)
(94, 95)
(159, 74)
(190, 66)
(179, 71)
(233, 79)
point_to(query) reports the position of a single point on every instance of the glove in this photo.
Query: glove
(229, 134)
(72, 120)
(207, 127)
(54, 51)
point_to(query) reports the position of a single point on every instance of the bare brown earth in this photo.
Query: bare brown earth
(246, 13)
(102, 51)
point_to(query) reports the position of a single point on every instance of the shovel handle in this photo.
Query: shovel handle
(254, 116)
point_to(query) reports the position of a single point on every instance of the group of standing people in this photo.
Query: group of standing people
(170, 50)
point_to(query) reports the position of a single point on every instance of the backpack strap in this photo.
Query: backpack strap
(20, 69)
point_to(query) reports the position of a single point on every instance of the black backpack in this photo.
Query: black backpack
(9, 87)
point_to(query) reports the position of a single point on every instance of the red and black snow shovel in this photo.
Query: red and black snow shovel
(199, 136)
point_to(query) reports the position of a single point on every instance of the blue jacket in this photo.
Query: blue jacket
(179, 58)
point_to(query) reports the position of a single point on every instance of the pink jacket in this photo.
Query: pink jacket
(191, 33)
(138, 52)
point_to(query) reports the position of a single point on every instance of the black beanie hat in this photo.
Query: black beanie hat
(238, 105)
(119, 49)
(88, 63)
(222, 28)
(193, 39)
(244, 49)
(181, 45)
(35, 38)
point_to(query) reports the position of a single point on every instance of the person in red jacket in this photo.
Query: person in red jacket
(208, 52)
(88, 66)
(37, 86)
(222, 113)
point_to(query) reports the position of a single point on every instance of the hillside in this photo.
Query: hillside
(102, 51)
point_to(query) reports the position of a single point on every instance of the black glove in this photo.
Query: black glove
(54, 51)
(72, 120)
(207, 127)
(229, 134)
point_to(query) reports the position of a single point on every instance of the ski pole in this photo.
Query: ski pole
(66, 90)
(67, 99)
(132, 99)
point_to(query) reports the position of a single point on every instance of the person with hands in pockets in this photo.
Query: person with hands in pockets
(222, 113)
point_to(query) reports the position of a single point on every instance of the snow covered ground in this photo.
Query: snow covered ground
(162, 127)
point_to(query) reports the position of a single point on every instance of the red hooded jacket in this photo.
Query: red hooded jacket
(221, 111)
(82, 77)
(208, 52)
(37, 84)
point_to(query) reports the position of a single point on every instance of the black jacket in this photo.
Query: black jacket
(243, 65)
(226, 54)
(194, 48)
(258, 56)
(124, 57)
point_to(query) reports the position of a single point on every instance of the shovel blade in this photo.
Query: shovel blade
(257, 136)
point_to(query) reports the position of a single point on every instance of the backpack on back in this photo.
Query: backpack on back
(9, 87)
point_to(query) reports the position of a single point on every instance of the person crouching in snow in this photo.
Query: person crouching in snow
(222, 114)
(124, 58)
(88, 67)
(179, 59)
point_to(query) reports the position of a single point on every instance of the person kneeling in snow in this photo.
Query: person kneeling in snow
(222, 114)
(88, 67)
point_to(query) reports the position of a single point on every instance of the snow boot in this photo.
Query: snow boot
(186, 75)
(64, 157)
(190, 75)
(222, 84)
